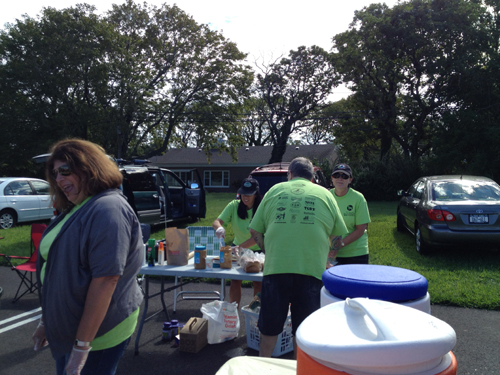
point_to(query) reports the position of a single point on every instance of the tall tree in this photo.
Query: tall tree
(401, 63)
(254, 128)
(175, 63)
(125, 80)
(53, 81)
(470, 131)
(290, 90)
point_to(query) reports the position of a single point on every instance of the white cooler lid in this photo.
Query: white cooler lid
(376, 337)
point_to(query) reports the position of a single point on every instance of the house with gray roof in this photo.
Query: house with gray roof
(222, 174)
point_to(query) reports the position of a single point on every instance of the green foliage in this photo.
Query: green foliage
(126, 81)
(51, 75)
(409, 66)
(381, 179)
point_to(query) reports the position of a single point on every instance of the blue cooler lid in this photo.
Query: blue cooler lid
(384, 283)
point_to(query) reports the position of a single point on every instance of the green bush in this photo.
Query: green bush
(381, 179)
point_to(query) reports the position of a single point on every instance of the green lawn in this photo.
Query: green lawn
(467, 277)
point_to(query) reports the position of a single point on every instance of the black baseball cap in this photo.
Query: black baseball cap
(249, 186)
(342, 168)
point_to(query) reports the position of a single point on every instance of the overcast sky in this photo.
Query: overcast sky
(265, 29)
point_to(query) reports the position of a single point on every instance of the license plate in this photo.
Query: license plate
(478, 219)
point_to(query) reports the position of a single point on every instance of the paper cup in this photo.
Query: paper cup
(209, 261)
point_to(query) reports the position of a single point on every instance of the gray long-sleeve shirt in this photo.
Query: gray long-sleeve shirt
(102, 238)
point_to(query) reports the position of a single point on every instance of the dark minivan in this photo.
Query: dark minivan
(158, 195)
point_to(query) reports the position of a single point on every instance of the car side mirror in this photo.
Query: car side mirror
(402, 193)
(194, 185)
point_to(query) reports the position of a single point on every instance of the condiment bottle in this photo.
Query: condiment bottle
(161, 254)
(200, 253)
(174, 327)
(151, 256)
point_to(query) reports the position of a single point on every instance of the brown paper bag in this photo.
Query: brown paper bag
(177, 246)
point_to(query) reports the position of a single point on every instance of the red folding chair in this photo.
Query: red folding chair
(26, 270)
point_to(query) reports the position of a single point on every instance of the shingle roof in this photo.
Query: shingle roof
(247, 156)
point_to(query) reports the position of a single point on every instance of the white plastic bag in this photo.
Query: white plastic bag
(223, 321)
(251, 261)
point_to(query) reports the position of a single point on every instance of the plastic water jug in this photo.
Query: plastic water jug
(372, 337)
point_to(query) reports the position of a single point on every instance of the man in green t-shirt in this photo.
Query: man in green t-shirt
(293, 226)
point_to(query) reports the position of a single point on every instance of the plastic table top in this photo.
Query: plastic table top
(234, 273)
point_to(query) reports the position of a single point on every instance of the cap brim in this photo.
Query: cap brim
(246, 192)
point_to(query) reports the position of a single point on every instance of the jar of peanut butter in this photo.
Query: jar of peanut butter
(226, 257)
(200, 253)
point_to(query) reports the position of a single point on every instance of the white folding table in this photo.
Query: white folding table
(235, 273)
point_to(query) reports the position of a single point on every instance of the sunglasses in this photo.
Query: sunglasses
(64, 170)
(340, 175)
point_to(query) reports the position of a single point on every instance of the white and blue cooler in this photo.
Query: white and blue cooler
(386, 283)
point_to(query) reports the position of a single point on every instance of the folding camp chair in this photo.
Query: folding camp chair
(26, 270)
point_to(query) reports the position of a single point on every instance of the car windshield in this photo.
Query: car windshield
(465, 190)
(267, 181)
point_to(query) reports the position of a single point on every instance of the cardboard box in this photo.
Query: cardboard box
(193, 336)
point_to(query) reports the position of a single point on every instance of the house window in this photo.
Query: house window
(217, 179)
(186, 176)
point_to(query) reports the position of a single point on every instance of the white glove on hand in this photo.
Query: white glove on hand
(76, 361)
(220, 232)
(39, 337)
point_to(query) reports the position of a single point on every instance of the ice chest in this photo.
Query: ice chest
(386, 283)
(194, 335)
(363, 336)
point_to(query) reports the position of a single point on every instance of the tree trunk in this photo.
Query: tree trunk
(278, 151)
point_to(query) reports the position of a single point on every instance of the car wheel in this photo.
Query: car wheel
(421, 246)
(400, 223)
(8, 219)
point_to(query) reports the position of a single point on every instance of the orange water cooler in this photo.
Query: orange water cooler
(360, 336)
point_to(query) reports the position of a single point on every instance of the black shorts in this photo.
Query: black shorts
(281, 290)
(361, 259)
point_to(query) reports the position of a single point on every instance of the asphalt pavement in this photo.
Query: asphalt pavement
(477, 349)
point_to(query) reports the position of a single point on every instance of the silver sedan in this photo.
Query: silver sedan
(24, 199)
(451, 210)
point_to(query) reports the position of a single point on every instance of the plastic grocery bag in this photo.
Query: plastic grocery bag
(223, 321)
(251, 261)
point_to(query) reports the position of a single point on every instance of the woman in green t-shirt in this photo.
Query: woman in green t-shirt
(239, 213)
(352, 248)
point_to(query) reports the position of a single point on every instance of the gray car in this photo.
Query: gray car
(451, 210)
(24, 199)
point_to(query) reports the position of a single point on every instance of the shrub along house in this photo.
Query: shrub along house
(222, 174)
